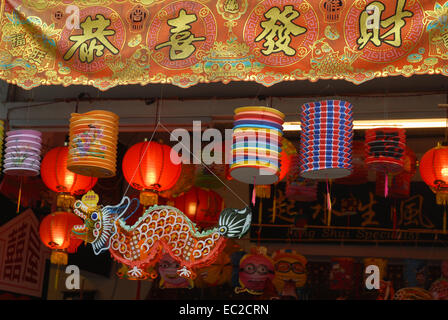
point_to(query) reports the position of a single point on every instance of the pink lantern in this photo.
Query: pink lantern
(22, 154)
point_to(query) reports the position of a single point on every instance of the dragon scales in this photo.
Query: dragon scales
(160, 229)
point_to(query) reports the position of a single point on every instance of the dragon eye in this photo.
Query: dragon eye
(94, 216)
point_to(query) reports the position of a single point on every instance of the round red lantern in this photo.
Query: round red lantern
(434, 172)
(148, 167)
(57, 177)
(202, 206)
(55, 233)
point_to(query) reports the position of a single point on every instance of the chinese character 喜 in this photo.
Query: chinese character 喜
(181, 39)
(277, 30)
(96, 32)
(370, 19)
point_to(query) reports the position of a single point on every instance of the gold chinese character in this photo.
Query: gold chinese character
(369, 214)
(411, 213)
(181, 38)
(38, 55)
(96, 32)
(370, 19)
(277, 30)
(18, 40)
(286, 208)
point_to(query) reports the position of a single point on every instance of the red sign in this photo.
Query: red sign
(22, 256)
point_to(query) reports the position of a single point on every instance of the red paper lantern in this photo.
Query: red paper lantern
(55, 233)
(58, 178)
(434, 172)
(201, 206)
(147, 166)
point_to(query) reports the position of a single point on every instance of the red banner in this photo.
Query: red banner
(104, 43)
(22, 256)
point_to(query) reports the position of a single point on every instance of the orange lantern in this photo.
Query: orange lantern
(201, 206)
(55, 233)
(58, 178)
(93, 144)
(147, 166)
(434, 172)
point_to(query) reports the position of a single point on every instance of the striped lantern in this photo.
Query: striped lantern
(385, 152)
(22, 153)
(326, 140)
(256, 148)
(2, 135)
(298, 188)
(93, 144)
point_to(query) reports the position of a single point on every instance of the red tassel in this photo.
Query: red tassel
(386, 185)
(254, 194)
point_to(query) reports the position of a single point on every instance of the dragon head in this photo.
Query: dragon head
(99, 221)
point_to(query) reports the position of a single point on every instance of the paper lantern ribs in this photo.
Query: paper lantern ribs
(160, 229)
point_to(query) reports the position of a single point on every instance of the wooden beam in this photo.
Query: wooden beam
(443, 105)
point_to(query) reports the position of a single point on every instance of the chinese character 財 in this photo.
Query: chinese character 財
(96, 32)
(181, 39)
(277, 30)
(370, 24)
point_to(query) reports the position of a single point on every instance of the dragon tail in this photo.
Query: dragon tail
(234, 223)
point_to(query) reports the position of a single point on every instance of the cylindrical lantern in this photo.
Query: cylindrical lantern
(434, 172)
(385, 149)
(201, 206)
(326, 139)
(58, 178)
(22, 153)
(360, 172)
(256, 147)
(147, 167)
(93, 144)
(298, 188)
(2, 135)
(55, 233)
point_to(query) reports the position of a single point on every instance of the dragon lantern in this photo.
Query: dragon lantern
(160, 229)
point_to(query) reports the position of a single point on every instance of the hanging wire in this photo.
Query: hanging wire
(203, 164)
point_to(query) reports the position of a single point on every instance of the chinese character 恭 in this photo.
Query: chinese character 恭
(181, 39)
(96, 32)
(370, 19)
(277, 30)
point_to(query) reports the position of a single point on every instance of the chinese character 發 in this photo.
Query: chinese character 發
(96, 32)
(181, 39)
(277, 30)
(370, 19)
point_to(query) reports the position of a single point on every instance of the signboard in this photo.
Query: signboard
(358, 215)
(22, 256)
(105, 43)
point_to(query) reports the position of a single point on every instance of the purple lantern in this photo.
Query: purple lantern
(22, 153)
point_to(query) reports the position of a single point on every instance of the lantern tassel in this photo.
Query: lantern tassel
(260, 211)
(56, 278)
(386, 185)
(274, 207)
(20, 195)
(328, 205)
(254, 194)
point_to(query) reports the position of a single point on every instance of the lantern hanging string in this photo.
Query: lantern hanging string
(274, 205)
(386, 184)
(204, 165)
